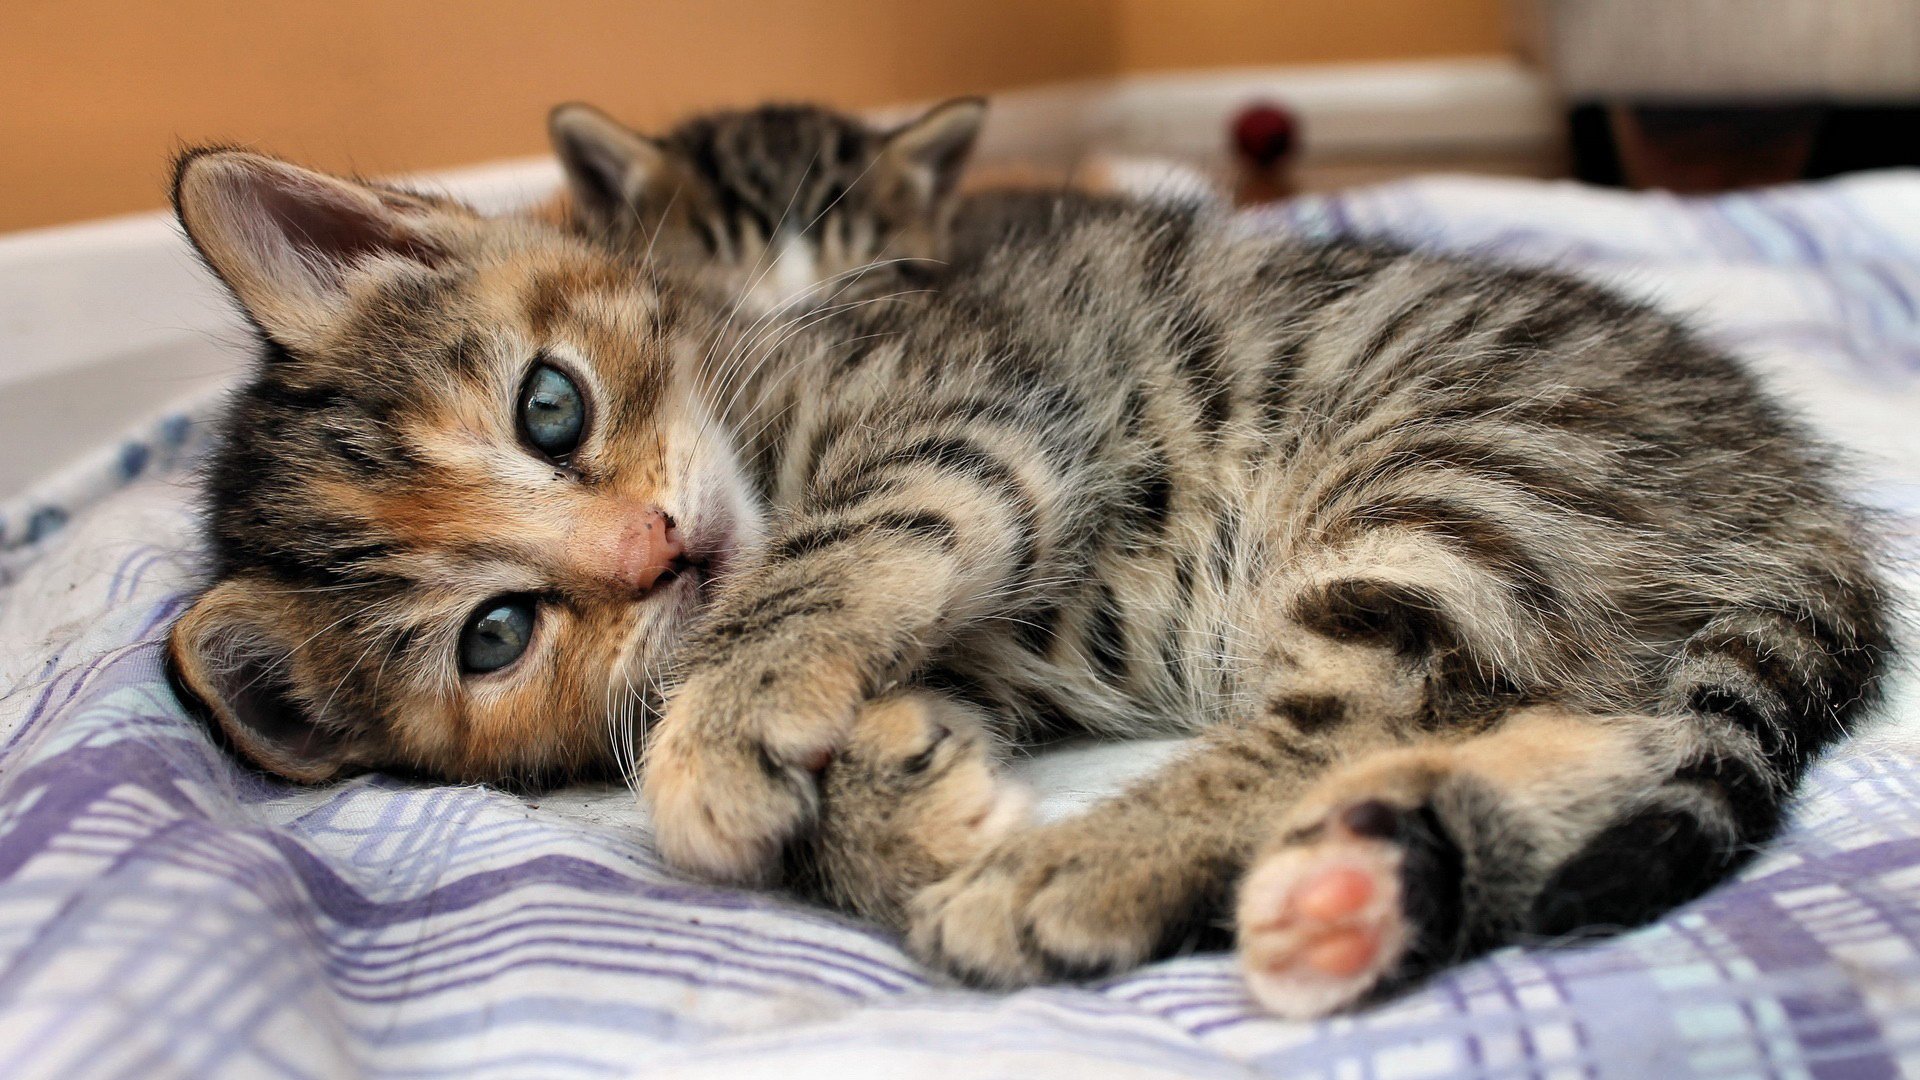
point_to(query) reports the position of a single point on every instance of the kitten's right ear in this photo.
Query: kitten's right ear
(227, 654)
(608, 167)
(286, 239)
(930, 152)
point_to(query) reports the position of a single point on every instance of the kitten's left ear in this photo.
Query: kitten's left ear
(930, 152)
(609, 168)
(230, 652)
(288, 240)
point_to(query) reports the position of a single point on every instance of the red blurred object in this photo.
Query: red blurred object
(1265, 132)
(1265, 136)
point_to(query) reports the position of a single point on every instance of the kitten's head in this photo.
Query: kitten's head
(780, 206)
(470, 497)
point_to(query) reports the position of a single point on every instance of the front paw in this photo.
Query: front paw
(730, 793)
(916, 793)
(1066, 902)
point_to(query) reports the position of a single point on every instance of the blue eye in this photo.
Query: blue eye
(496, 634)
(553, 415)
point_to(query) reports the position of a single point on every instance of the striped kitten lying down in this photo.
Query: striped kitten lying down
(1500, 606)
(788, 208)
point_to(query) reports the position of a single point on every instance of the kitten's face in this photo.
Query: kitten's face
(472, 499)
(784, 208)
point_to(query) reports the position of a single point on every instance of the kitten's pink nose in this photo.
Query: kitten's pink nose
(649, 548)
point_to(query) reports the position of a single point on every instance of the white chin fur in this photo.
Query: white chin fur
(788, 283)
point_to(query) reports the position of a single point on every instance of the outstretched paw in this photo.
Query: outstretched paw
(1076, 899)
(1326, 918)
(916, 792)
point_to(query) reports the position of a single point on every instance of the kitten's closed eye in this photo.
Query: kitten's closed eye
(781, 208)
(553, 412)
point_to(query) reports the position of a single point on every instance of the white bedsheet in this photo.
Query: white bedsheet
(163, 912)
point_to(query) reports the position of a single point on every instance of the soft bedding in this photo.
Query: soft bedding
(164, 912)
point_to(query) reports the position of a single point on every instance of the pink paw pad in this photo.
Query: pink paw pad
(1320, 921)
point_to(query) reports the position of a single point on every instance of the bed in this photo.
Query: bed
(164, 912)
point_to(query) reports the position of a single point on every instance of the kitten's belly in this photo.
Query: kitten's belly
(1071, 777)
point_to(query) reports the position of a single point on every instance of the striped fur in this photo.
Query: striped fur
(1474, 583)
(782, 207)
(786, 209)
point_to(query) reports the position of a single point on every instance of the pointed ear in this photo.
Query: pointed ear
(227, 653)
(930, 152)
(608, 167)
(286, 239)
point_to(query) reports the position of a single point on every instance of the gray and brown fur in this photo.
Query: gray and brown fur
(782, 207)
(1487, 583)
(786, 209)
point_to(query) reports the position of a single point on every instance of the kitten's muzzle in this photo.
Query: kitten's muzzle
(648, 552)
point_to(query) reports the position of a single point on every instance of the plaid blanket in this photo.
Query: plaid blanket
(165, 913)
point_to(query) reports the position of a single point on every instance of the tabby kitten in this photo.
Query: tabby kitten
(791, 208)
(1500, 606)
(782, 206)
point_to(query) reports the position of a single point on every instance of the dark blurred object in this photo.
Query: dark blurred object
(1266, 138)
(1695, 149)
(1707, 95)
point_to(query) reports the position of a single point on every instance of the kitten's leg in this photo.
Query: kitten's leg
(1554, 822)
(1408, 647)
(1349, 666)
(916, 791)
(910, 534)
(1132, 878)
(1415, 857)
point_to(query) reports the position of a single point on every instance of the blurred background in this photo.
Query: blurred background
(98, 94)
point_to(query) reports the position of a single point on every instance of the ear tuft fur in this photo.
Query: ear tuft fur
(287, 240)
(224, 655)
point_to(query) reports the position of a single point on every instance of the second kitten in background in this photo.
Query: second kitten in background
(791, 207)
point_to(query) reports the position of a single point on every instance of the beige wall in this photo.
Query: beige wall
(95, 95)
(1172, 34)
